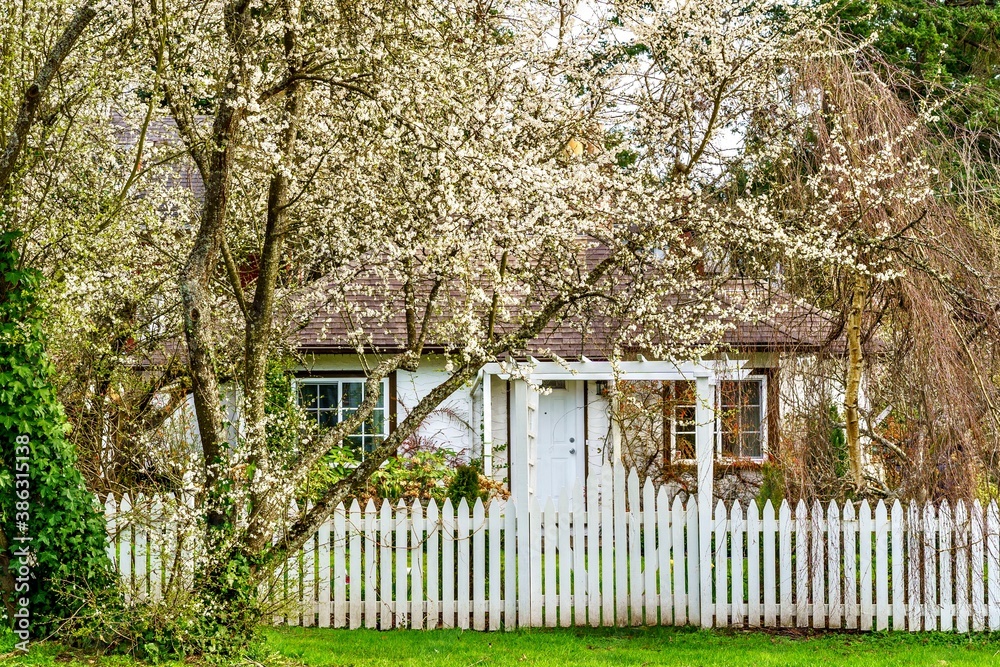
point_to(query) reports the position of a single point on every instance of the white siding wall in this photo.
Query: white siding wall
(451, 425)
(498, 390)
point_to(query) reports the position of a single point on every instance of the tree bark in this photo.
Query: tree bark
(196, 276)
(259, 334)
(855, 360)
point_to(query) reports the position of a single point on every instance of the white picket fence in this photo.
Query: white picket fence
(632, 560)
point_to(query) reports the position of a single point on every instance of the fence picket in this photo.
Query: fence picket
(977, 540)
(650, 554)
(753, 565)
(738, 609)
(850, 527)
(865, 564)
(816, 560)
(338, 543)
(678, 520)
(620, 547)
(835, 614)
(962, 530)
(523, 561)
(930, 567)
(944, 560)
(111, 524)
(417, 567)
(579, 559)
(695, 581)
(293, 580)
(721, 558)
(664, 532)
(913, 562)
(387, 618)
(307, 591)
(535, 601)
(371, 565)
(511, 566)
(141, 552)
(801, 565)
(433, 531)
(125, 543)
(156, 546)
(549, 555)
(402, 558)
(463, 564)
(607, 547)
(881, 567)
(594, 514)
(770, 564)
(494, 534)
(447, 564)
(785, 562)
(633, 527)
(354, 528)
(565, 561)
(323, 580)
(898, 568)
(479, 565)
(993, 563)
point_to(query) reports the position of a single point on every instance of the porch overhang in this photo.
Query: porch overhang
(642, 369)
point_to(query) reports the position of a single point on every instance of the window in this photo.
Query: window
(740, 422)
(740, 429)
(332, 400)
(681, 400)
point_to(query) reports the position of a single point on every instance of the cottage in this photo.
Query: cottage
(550, 417)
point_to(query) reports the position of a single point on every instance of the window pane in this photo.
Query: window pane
(685, 446)
(307, 396)
(729, 393)
(375, 425)
(355, 441)
(729, 444)
(381, 395)
(751, 444)
(347, 414)
(352, 394)
(327, 395)
(685, 416)
(327, 417)
(750, 418)
(750, 393)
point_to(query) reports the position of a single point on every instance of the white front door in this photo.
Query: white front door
(560, 439)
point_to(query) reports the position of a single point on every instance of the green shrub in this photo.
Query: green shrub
(64, 521)
(772, 485)
(465, 484)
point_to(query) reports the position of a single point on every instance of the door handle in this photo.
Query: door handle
(572, 451)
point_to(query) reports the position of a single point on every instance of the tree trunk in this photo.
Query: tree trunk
(265, 504)
(853, 384)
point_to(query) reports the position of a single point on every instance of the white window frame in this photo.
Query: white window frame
(719, 456)
(340, 380)
(673, 424)
(717, 434)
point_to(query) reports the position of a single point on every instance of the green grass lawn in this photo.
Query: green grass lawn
(640, 646)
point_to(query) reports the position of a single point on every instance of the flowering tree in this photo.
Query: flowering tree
(485, 171)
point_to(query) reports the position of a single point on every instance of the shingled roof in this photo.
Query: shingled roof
(795, 325)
